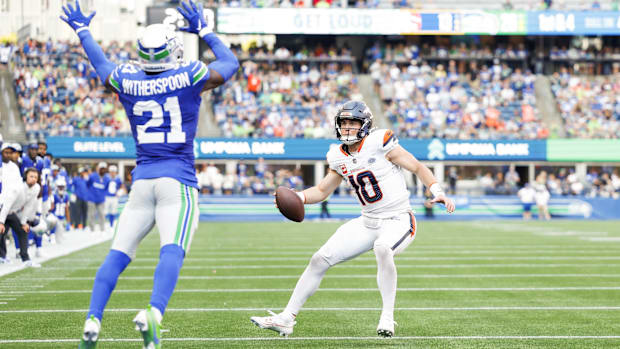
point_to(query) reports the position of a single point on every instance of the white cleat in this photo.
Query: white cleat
(39, 254)
(92, 326)
(386, 328)
(275, 323)
(30, 264)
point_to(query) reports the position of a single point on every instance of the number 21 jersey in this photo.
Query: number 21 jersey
(163, 111)
(379, 184)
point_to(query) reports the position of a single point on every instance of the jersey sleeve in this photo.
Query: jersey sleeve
(199, 73)
(330, 161)
(387, 142)
(116, 79)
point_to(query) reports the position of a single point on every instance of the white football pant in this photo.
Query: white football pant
(111, 205)
(171, 205)
(362, 234)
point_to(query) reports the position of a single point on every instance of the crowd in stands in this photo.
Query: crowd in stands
(590, 107)
(424, 101)
(58, 92)
(247, 180)
(603, 183)
(451, 91)
(403, 53)
(286, 99)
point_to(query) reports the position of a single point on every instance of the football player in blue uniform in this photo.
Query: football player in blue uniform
(59, 212)
(161, 96)
(31, 158)
(113, 184)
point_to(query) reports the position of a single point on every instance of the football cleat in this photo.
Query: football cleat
(39, 254)
(148, 324)
(30, 264)
(275, 323)
(386, 328)
(91, 333)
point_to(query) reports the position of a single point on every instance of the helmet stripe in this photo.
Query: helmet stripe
(162, 54)
(144, 55)
(156, 56)
(140, 47)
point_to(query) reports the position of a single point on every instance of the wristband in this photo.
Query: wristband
(78, 30)
(436, 190)
(204, 31)
(301, 196)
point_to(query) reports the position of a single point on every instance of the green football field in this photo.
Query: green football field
(481, 284)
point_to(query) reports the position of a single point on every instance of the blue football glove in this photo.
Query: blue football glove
(75, 18)
(194, 15)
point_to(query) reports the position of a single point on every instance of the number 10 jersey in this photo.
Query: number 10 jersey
(379, 184)
(163, 112)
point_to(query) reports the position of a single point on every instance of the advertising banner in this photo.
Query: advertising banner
(304, 149)
(92, 147)
(587, 150)
(491, 22)
(334, 21)
(447, 149)
(414, 22)
(573, 23)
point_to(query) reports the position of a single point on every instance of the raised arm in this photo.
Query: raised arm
(406, 160)
(225, 64)
(78, 22)
(321, 191)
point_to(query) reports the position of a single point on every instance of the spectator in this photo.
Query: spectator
(526, 195)
(542, 198)
(97, 184)
(82, 197)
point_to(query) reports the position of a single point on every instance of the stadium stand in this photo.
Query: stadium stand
(590, 106)
(59, 93)
(282, 94)
(449, 91)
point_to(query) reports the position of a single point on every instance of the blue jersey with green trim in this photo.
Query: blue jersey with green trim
(163, 112)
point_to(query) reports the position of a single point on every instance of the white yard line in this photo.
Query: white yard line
(276, 338)
(337, 276)
(418, 251)
(418, 289)
(601, 239)
(207, 310)
(360, 266)
(399, 258)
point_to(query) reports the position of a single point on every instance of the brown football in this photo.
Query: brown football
(290, 204)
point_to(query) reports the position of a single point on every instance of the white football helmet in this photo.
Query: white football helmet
(40, 228)
(61, 185)
(159, 48)
(51, 220)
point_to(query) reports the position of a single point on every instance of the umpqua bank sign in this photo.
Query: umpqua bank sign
(223, 148)
(441, 149)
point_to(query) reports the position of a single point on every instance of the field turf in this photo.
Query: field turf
(481, 284)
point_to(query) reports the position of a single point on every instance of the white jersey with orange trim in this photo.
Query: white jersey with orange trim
(379, 184)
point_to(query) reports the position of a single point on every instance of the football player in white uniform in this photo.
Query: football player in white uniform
(370, 161)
